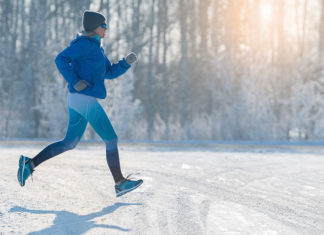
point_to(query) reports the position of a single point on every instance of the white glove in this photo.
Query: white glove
(81, 85)
(131, 58)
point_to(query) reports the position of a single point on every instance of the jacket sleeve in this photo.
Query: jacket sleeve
(66, 57)
(115, 70)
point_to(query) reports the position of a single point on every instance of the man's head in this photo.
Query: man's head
(94, 22)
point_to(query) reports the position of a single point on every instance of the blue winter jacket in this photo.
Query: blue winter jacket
(85, 60)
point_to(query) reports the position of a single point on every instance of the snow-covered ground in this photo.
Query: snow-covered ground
(188, 189)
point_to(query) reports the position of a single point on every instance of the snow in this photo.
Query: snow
(188, 189)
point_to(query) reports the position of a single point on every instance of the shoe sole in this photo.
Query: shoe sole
(22, 183)
(128, 190)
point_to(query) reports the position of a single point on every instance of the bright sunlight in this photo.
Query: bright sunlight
(266, 13)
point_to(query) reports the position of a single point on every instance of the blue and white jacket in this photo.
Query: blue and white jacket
(85, 60)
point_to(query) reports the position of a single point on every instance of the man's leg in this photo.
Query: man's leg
(75, 130)
(101, 124)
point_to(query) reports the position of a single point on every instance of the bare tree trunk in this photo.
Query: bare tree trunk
(203, 27)
(215, 76)
(118, 29)
(158, 24)
(304, 28)
(165, 110)
(149, 102)
(321, 35)
(183, 62)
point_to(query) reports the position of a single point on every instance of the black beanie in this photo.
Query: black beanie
(92, 20)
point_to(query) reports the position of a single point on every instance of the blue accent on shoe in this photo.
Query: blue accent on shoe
(126, 186)
(26, 168)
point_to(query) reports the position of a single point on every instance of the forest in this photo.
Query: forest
(207, 69)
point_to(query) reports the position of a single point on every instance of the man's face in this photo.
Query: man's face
(101, 30)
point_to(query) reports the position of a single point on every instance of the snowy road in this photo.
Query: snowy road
(225, 190)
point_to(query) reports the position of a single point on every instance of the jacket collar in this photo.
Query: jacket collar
(83, 35)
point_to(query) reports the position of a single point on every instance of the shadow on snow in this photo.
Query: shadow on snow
(70, 223)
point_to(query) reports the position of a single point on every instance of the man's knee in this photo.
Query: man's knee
(111, 144)
(70, 144)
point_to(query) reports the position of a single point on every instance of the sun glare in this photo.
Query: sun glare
(266, 13)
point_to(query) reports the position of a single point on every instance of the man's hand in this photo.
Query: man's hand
(131, 58)
(81, 85)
